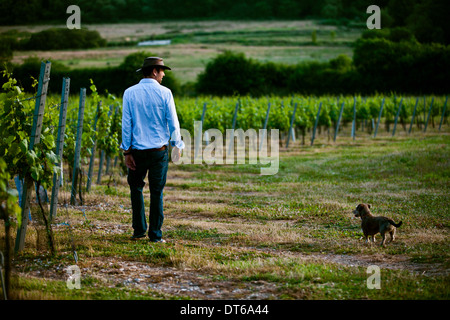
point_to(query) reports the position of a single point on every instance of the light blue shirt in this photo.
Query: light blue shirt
(149, 117)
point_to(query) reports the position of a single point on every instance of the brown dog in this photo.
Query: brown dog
(371, 225)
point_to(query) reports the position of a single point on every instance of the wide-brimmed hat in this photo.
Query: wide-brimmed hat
(153, 62)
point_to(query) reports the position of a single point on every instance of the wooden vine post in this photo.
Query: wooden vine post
(396, 116)
(202, 119)
(91, 162)
(338, 122)
(44, 78)
(413, 115)
(354, 118)
(59, 146)
(76, 162)
(108, 157)
(379, 119)
(315, 124)
(291, 126)
(443, 113)
(198, 134)
(233, 127)
(429, 113)
(102, 155)
(264, 128)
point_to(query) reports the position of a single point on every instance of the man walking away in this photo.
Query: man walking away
(149, 120)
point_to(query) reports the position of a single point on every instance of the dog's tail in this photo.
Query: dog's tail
(395, 224)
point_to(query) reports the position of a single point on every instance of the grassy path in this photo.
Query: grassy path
(234, 234)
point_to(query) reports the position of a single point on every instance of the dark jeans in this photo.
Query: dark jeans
(155, 163)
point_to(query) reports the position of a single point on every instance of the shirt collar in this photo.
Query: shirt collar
(148, 80)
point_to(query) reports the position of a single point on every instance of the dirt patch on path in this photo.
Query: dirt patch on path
(179, 282)
(169, 282)
(397, 262)
(166, 282)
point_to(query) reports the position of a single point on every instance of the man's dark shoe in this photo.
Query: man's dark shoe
(159, 241)
(138, 237)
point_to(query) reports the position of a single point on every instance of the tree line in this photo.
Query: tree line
(427, 19)
(112, 11)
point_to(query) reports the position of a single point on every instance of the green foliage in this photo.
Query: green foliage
(15, 130)
(341, 64)
(383, 61)
(231, 73)
(29, 70)
(314, 37)
(108, 126)
(8, 196)
(397, 34)
(426, 19)
(107, 136)
(6, 48)
(252, 111)
(405, 66)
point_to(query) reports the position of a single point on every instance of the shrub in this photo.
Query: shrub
(229, 73)
(407, 67)
(7, 45)
(232, 73)
(397, 34)
(63, 38)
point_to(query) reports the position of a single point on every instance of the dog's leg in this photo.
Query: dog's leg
(383, 236)
(392, 233)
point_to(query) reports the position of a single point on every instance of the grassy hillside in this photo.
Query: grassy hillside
(196, 43)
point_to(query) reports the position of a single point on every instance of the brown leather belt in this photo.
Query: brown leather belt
(164, 147)
(149, 150)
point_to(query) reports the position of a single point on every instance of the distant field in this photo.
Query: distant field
(196, 43)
